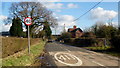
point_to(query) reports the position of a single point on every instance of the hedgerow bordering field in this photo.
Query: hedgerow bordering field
(11, 45)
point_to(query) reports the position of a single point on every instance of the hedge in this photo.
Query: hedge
(84, 42)
(115, 42)
(11, 45)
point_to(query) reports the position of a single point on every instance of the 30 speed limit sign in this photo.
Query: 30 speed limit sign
(28, 21)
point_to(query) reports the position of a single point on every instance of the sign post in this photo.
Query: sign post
(28, 40)
(28, 23)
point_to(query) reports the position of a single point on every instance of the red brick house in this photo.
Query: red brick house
(76, 32)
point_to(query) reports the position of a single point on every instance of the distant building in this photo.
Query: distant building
(76, 32)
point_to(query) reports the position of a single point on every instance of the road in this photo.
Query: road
(65, 55)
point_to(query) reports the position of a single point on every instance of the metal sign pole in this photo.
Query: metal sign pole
(28, 41)
(28, 23)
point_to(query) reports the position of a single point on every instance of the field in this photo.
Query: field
(15, 51)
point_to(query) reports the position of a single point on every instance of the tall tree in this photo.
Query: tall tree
(16, 28)
(35, 10)
(13, 30)
(47, 30)
(104, 31)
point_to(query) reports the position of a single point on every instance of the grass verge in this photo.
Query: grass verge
(106, 50)
(98, 48)
(25, 59)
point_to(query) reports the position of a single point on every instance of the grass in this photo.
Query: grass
(102, 49)
(25, 59)
(98, 48)
(106, 50)
(114, 54)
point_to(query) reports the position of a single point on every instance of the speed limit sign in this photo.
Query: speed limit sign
(28, 21)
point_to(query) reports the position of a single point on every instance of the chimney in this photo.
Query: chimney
(74, 27)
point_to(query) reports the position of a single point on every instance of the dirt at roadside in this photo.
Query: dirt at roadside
(41, 60)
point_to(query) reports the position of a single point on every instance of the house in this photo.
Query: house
(76, 32)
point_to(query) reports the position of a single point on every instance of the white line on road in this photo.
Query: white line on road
(97, 63)
(68, 50)
(113, 57)
(67, 57)
(61, 57)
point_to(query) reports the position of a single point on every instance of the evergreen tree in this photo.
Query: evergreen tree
(13, 29)
(16, 28)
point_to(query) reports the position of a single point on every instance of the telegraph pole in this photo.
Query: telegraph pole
(64, 28)
(55, 30)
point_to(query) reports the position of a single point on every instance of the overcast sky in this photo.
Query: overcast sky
(66, 12)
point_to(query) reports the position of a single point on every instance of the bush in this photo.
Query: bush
(66, 35)
(85, 42)
(89, 34)
(115, 42)
(69, 40)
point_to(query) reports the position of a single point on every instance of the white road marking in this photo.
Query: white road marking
(78, 63)
(67, 57)
(61, 46)
(91, 56)
(113, 57)
(97, 63)
(62, 57)
(68, 50)
(72, 56)
(51, 53)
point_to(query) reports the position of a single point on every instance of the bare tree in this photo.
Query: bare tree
(35, 10)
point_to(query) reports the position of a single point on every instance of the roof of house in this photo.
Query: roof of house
(70, 29)
(74, 30)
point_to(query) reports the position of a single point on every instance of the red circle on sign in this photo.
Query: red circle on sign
(26, 21)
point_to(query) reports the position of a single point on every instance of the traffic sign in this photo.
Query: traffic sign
(28, 21)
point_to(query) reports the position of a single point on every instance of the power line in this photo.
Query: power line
(88, 10)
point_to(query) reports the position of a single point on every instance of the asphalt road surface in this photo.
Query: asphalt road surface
(69, 56)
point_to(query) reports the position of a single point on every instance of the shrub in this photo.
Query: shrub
(69, 40)
(115, 42)
(65, 35)
(84, 42)
(89, 34)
